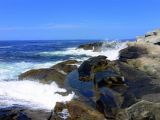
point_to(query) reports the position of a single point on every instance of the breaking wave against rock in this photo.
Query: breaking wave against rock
(31, 94)
(37, 95)
(109, 49)
(10, 71)
(28, 93)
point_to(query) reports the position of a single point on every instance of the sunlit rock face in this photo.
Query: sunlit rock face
(150, 37)
(142, 56)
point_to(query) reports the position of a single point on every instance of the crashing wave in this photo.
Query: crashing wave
(37, 95)
(31, 94)
(109, 49)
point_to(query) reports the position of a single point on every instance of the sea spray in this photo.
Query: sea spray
(109, 49)
(31, 94)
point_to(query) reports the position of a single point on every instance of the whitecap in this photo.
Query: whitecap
(31, 94)
(109, 49)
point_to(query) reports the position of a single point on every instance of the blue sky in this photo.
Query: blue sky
(77, 19)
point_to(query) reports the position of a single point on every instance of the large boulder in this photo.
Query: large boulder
(86, 67)
(109, 86)
(77, 110)
(44, 75)
(56, 73)
(105, 72)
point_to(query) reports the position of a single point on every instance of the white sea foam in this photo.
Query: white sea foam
(31, 94)
(28, 93)
(64, 114)
(9, 71)
(111, 52)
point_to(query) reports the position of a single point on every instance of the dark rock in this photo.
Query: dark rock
(98, 46)
(140, 84)
(21, 113)
(66, 66)
(92, 46)
(44, 76)
(106, 104)
(85, 68)
(78, 110)
(109, 85)
(132, 52)
(111, 81)
(59, 107)
(158, 43)
(139, 65)
(56, 73)
(13, 114)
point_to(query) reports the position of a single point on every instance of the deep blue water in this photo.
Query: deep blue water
(28, 51)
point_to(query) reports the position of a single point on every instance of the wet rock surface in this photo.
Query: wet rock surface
(108, 86)
(91, 46)
(21, 113)
(56, 73)
(77, 110)
(98, 46)
(139, 66)
(85, 68)
(66, 66)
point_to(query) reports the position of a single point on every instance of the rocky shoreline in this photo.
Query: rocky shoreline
(123, 89)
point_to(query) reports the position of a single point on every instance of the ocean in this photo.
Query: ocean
(17, 57)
